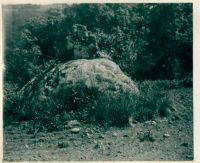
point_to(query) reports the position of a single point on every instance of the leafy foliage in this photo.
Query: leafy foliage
(147, 41)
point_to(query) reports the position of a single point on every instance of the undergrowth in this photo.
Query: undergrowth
(88, 105)
(152, 101)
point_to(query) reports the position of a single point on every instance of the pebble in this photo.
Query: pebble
(75, 130)
(114, 134)
(170, 122)
(153, 122)
(166, 135)
(72, 123)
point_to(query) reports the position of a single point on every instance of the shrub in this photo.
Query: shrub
(114, 110)
(90, 106)
(151, 102)
(71, 103)
(11, 100)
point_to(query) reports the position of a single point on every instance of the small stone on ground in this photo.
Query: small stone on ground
(75, 130)
(166, 135)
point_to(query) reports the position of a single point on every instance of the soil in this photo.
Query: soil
(169, 138)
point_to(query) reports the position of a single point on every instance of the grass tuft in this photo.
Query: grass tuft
(88, 105)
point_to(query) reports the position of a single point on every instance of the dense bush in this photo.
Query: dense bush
(147, 41)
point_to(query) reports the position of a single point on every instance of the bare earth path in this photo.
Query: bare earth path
(173, 139)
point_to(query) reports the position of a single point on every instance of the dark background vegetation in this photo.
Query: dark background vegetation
(147, 41)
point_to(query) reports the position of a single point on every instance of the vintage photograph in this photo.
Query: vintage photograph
(98, 82)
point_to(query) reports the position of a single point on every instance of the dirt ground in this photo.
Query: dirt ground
(168, 138)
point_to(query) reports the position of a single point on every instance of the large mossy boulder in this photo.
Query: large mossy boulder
(86, 89)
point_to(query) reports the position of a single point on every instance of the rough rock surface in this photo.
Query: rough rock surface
(102, 74)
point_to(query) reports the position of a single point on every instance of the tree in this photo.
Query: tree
(147, 41)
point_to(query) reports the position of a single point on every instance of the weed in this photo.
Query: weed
(151, 102)
(146, 136)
